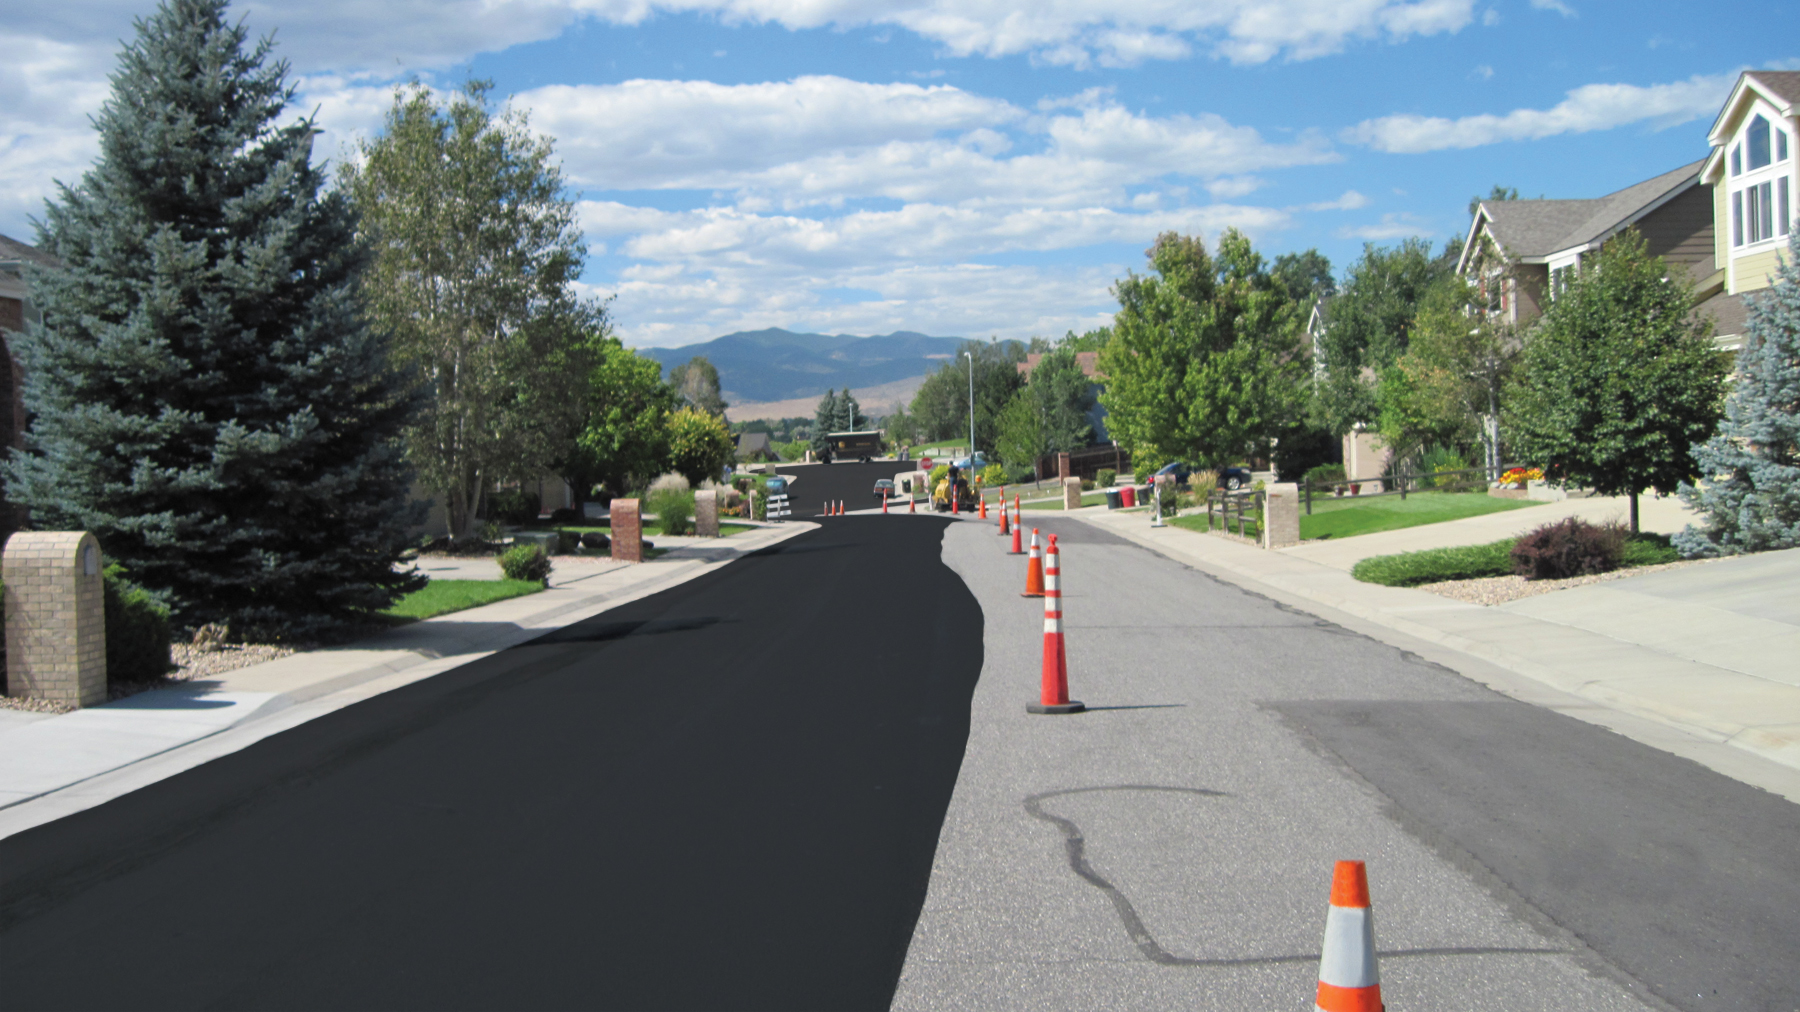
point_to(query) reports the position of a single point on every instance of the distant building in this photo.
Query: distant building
(755, 446)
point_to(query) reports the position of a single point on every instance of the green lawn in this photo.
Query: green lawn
(1087, 499)
(1350, 516)
(440, 597)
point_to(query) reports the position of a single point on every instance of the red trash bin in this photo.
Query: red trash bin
(1127, 497)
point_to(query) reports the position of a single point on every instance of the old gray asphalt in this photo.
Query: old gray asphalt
(1518, 859)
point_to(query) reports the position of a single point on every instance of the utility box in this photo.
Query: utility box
(706, 513)
(1281, 515)
(627, 531)
(55, 617)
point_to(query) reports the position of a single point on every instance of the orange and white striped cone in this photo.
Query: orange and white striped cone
(984, 507)
(1018, 527)
(1005, 512)
(1034, 569)
(884, 504)
(840, 507)
(824, 509)
(1348, 978)
(1053, 693)
(912, 505)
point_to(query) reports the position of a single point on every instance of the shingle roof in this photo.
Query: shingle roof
(1785, 83)
(1536, 228)
(13, 249)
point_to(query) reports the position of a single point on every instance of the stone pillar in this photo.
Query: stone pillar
(706, 513)
(1281, 515)
(627, 531)
(55, 617)
(1062, 467)
(1071, 492)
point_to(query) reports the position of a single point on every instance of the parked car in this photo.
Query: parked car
(884, 488)
(971, 465)
(1232, 478)
(776, 485)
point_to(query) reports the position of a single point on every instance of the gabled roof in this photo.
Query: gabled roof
(1089, 361)
(1781, 88)
(1532, 230)
(13, 251)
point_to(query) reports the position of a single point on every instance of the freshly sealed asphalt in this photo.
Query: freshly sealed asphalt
(723, 796)
(734, 794)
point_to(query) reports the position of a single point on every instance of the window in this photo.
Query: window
(1781, 145)
(1757, 140)
(1759, 216)
(1737, 162)
(1737, 218)
(1782, 214)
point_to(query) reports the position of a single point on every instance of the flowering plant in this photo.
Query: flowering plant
(1521, 475)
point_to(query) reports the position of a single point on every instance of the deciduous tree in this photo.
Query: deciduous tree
(1620, 381)
(475, 238)
(208, 395)
(696, 382)
(1368, 326)
(699, 443)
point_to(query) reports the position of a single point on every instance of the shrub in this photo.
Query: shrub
(1201, 484)
(526, 562)
(1087, 484)
(759, 505)
(993, 475)
(513, 506)
(1410, 569)
(137, 630)
(1105, 477)
(566, 515)
(1326, 474)
(1141, 470)
(937, 475)
(674, 509)
(1569, 547)
(1024, 475)
(567, 542)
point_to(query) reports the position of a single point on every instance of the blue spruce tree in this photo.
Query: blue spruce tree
(1751, 498)
(825, 420)
(207, 396)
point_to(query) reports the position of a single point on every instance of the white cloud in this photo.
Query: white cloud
(1232, 187)
(1554, 5)
(1482, 72)
(1589, 107)
(1350, 201)
(1391, 226)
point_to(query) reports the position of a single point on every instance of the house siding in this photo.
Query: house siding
(1755, 271)
(1681, 231)
(1721, 225)
(1530, 288)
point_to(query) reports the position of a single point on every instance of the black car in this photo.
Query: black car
(1232, 478)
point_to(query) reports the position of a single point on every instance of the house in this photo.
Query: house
(1754, 185)
(1521, 252)
(15, 309)
(755, 446)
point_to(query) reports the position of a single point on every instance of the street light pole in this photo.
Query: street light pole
(971, 359)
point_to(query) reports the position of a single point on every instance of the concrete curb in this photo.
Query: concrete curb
(1715, 705)
(58, 765)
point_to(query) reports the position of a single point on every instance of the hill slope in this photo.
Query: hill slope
(777, 365)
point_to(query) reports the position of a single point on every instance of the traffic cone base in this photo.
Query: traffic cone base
(1072, 706)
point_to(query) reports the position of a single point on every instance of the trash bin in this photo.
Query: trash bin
(1112, 498)
(1129, 495)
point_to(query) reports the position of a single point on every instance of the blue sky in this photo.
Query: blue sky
(974, 167)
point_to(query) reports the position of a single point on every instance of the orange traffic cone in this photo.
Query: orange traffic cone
(1053, 694)
(1034, 569)
(840, 507)
(912, 505)
(1005, 528)
(984, 507)
(1348, 979)
(1018, 526)
(884, 504)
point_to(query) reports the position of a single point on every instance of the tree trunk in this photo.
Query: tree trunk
(1634, 512)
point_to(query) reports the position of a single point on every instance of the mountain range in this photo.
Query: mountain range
(777, 365)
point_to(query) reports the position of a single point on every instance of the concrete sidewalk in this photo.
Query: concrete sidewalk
(51, 766)
(1699, 661)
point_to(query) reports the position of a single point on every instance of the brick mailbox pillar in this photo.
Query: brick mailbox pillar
(55, 617)
(1281, 515)
(706, 513)
(627, 531)
(1071, 493)
(1062, 467)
